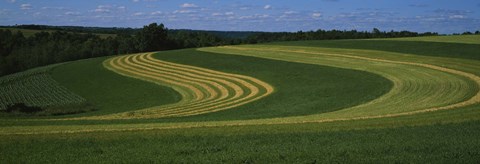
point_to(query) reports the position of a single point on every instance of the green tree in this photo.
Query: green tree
(126, 44)
(376, 33)
(152, 38)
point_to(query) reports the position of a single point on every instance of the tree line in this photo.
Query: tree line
(330, 35)
(68, 43)
(19, 53)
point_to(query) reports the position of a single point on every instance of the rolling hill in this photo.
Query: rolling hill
(374, 100)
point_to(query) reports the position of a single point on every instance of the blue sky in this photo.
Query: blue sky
(443, 16)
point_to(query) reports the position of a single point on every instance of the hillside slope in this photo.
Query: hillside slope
(333, 101)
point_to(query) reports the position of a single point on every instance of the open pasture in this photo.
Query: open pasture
(317, 101)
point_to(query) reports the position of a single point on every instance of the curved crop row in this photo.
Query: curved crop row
(420, 85)
(202, 90)
(417, 87)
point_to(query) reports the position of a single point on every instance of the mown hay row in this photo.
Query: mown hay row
(418, 87)
(253, 91)
(203, 90)
(406, 77)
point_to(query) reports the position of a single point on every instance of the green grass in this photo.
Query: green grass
(202, 90)
(374, 140)
(272, 130)
(434, 49)
(331, 90)
(317, 89)
(108, 91)
(287, 105)
(467, 39)
(462, 87)
(417, 87)
(305, 143)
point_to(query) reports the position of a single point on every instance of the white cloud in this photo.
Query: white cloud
(26, 6)
(229, 13)
(72, 13)
(217, 14)
(419, 5)
(290, 12)
(267, 7)
(36, 14)
(54, 8)
(261, 16)
(316, 15)
(183, 11)
(188, 5)
(254, 17)
(156, 13)
(12, 1)
(138, 14)
(457, 16)
(122, 8)
(103, 9)
(98, 10)
(135, 0)
(245, 17)
(104, 16)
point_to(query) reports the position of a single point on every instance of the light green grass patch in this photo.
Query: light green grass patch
(467, 39)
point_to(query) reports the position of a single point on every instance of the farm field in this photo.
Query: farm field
(37, 88)
(379, 100)
(468, 39)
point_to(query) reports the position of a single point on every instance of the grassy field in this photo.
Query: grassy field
(304, 143)
(441, 46)
(466, 39)
(332, 101)
(119, 94)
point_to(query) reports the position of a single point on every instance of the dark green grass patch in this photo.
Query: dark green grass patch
(109, 91)
(300, 89)
(438, 49)
(20, 110)
(450, 143)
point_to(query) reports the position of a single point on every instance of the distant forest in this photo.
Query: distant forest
(68, 43)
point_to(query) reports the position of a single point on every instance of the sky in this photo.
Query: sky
(442, 16)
